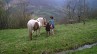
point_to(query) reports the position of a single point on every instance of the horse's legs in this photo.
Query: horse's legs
(36, 32)
(30, 35)
(39, 31)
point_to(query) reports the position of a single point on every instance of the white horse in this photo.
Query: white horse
(34, 25)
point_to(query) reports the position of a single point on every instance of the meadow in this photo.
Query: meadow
(70, 36)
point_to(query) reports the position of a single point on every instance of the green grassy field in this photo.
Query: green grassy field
(71, 36)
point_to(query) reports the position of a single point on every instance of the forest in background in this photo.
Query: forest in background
(16, 13)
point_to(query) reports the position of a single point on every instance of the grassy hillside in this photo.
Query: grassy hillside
(71, 36)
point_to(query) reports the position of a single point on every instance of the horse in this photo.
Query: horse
(34, 25)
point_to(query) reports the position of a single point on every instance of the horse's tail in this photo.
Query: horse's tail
(29, 27)
(30, 31)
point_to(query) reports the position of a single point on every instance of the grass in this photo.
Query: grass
(71, 36)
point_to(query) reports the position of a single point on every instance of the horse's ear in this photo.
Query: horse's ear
(44, 18)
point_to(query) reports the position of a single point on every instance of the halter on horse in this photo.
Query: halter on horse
(34, 25)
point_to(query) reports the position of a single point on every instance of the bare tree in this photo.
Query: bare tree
(76, 10)
(70, 10)
(19, 15)
(82, 11)
(3, 15)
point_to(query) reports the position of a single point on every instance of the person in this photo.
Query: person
(52, 24)
(48, 28)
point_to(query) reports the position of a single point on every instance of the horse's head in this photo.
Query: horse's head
(42, 21)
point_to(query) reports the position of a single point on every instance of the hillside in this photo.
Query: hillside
(71, 36)
(44, 8)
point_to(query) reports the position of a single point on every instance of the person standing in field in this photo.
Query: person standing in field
(52, 24)
(48, 28)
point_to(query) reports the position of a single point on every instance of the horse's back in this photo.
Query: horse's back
(32, 25)
(31, 22)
